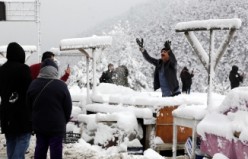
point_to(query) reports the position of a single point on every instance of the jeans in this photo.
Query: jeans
(166, 92)
(17, 145)
(45, 141)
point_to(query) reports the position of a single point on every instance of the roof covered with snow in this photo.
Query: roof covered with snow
(214, 24)
(86, 43)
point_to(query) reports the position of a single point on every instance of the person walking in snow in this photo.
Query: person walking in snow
(165, 75)
(15, 115)
(186, 79)
(234, 77)
(107, 76)
(35, 68)
(51, 105)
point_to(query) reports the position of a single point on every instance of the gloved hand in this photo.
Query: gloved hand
(167, 44)
(141, 44)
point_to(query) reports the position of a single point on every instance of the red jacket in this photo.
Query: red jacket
(35, 70)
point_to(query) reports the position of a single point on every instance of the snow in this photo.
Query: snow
(210, 125)
(219, 156)
(232, 116)
(238, 99)
(85, 43)
(158, 140)
(209, 24)
(196, 112)
(110, 93)
(106, 108)
(151, 154)
(26, 48)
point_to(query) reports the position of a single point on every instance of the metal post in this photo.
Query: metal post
(87, 76)
(94, 69)
(210, 70)
(38, 29)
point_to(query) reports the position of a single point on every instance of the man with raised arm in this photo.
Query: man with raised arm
(165, 74)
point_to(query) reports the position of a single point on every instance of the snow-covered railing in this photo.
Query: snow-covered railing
(86, 43)
(26, 48)
(212, 24)
(82, 44)
(58, 52)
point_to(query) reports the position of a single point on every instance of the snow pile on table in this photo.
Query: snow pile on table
(191, 112)
(86, 43)
(107, 130)
(110, 93)
(210, 24)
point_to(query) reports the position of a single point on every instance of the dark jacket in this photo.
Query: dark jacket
(234, 77)
(15, 78)
(120, 76)
(52, 109)
(186, 77)
(170, 71)
(106, 77)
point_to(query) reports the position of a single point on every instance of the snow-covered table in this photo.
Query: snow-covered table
(187, 116)
(144, 115)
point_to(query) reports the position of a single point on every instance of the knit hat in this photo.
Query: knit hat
(48, 70)
(15, 53)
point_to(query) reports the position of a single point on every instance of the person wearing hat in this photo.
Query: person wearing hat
(165, 74)
(14, 113)
(51, 105)
(35, 68)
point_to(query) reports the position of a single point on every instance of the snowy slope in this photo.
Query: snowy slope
(155, 21)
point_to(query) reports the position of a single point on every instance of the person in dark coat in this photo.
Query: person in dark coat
(107, 76)
(51, 105)
(165, 75)
(120, 76)
(234, 77)
(15, 115)
(186, 79)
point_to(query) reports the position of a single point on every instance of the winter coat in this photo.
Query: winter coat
(106, 77)
(53, 106)
(186, 78)
(120, 76)
(170, 71)
(15, 77)
(35, 69)
(234, 77)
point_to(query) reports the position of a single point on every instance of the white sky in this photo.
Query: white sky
(63, 19)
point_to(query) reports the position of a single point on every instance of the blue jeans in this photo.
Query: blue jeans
(166, 92)
(17, 145)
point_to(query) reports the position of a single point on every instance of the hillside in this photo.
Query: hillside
(155, 22)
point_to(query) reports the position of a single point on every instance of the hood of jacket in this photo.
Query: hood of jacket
(15, 53)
